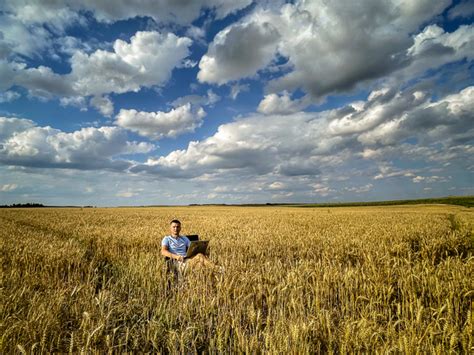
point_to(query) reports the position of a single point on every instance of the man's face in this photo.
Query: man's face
(175, 229)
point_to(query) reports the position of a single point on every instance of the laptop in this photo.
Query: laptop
(196, 247)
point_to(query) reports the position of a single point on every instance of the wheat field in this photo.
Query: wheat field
(296, 280)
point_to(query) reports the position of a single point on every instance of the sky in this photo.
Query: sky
(163, 102)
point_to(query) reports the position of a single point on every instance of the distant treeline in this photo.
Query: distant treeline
(21, 205)
(466, 201)
(34, 205)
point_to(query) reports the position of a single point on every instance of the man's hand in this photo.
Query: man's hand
(180, 258)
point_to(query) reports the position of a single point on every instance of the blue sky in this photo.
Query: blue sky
(215, 101)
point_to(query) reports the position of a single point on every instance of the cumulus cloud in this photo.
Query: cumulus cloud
(281, 104)
(69, 45)
(18, 39)
(28, 28)
(445, 120)
(333, 47)
(23, 143)
(42, 81)
(9, 126)
(277, 185)
(370, 40)
(307, 144)
(9, 96)
(257, 144)
(388, 125)
(75, 101)
(146, 61)
(60, 12)
(103, 104)
(434, 47)
(57, 14)
(158, 125)
(7, 73)
(238, 51)
(381, 106)
(181, 12)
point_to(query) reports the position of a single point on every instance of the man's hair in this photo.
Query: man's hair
(175, 221)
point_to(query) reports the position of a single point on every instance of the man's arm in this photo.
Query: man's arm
(167, 253)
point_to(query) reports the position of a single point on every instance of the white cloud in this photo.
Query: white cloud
(322, 189)
(23, 143)
(434, 47)
(18, 39)
(59, 13)
(447, 119)
(333, 47)
(181, 12)
(9, 96)
(7, 73)
(225, 7)
(238, 51)
(103, 104)
(464, 9)
(429, 179)
(29, 26)
(126, 194)
(236, 89)
(307, 144)
(257, 144)
(382, 106)
(277, 185)
(10, 126)
(75, 101)
(89, 189)
(42, 81)
(8, 187)
(70, 45)
(146, 61)
(281, 104)
(360, 189)
(157, 125)
(56, 14)
(198, 34)
(417, 179)
(209, 100)
(386, 173)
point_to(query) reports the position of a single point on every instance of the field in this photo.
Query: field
(300, 280)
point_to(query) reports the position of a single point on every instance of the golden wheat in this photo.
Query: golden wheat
(297, 280)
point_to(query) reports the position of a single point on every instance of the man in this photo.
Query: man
(175, 246)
